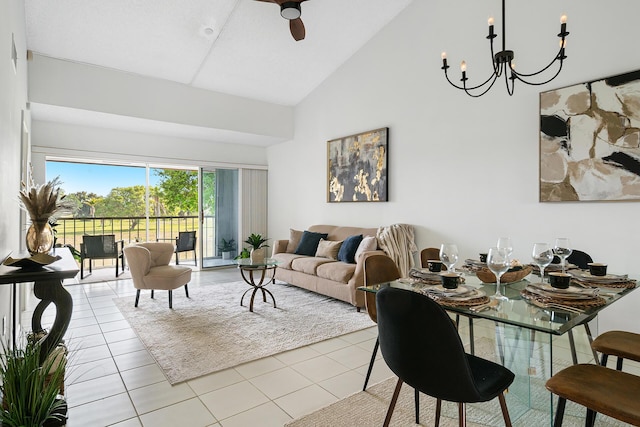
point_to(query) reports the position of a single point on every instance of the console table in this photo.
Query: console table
(48, 288)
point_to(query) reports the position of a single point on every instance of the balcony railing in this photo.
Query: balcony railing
(69, 231)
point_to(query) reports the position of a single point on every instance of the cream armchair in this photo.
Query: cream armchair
(150, 269)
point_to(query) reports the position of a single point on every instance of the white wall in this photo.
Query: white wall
(461, 169)
(13, 99)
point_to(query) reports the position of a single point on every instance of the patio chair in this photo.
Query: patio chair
(186, 242)
(104, 246)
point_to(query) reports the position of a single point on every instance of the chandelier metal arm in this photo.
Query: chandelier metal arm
(504, 59)
(559, 56)
(518, 77)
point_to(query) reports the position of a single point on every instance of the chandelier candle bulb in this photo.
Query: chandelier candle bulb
(490, 21)
(443, 55)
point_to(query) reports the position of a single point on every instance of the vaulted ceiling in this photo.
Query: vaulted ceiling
(238, 47)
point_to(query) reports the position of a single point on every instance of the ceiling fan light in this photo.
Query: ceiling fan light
(290, 10)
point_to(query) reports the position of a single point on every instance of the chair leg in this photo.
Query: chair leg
(151, 293)
(392, 404)
(560, 412)
(373, 359)
(137, 297)
(170, 299)
(438, 408)
(471, 339)
(505, 410)
(619, 363)
(605, 358)
(416, 399)
(590, 419)
(462, 415)
(186, 290)
(177, 262)
(81, 268)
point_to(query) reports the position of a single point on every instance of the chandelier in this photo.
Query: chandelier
(504, 64)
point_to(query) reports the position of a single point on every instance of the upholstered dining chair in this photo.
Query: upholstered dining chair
(150, 269)
(434, 253)
(378, 268)
(432, 359)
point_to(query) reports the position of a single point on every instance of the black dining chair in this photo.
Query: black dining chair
(421, 345)
(580, 259)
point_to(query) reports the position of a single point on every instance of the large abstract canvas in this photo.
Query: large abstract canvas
(357, 167)
(590, 141)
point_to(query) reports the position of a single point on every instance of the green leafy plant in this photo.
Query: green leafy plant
(244, 254)
(227, 245)
(30, 390)
(256, 241)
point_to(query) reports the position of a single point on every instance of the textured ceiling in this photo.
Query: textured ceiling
(239, 47)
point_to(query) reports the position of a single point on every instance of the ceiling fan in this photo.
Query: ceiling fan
(291, 10)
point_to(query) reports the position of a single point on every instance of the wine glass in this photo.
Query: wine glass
(562, 249)
(498, 263)
(542, 256)
(505, 243)
(449, 255)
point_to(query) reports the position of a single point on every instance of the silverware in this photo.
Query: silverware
(556, 306)
(478, 308)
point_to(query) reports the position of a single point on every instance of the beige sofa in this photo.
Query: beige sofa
(325, 276)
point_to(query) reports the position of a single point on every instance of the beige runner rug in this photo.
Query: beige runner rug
(368, 408)
(210, 331)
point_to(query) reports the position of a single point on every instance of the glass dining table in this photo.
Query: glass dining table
(525, 336)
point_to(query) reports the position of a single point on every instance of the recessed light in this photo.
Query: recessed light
(208, 31)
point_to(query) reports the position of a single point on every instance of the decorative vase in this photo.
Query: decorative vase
(40, 238)
(257, 256)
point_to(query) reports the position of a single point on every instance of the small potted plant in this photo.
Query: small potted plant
(257, 243)
(227, 247)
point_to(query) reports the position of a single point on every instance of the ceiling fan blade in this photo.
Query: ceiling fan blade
(297, 29)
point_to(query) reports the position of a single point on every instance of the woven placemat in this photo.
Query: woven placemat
(579, 303)
(625, 284)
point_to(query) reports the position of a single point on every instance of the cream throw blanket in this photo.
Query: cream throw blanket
(397, 241)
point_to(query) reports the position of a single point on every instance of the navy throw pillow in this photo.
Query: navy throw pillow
(309, 243)
(347, 252)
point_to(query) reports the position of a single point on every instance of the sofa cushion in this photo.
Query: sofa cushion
(348, 249)
(309, 243)
(286, 260)
(309, 265)
(336, 271)
(369, 243)
(294, 240)
(328, 249)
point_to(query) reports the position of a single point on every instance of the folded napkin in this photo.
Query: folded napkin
(459, 292)
(572, 292)
(585, 278)
(554, 267)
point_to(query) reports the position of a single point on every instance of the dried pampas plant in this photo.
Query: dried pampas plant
(42, 202)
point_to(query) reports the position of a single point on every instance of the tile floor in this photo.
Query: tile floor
(113, 381)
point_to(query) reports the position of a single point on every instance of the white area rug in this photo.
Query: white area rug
(210, 331)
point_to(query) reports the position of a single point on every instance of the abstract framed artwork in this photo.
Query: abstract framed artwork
(357, 167)
(590, 141)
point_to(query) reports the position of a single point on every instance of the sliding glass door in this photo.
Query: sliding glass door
(219, 216)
